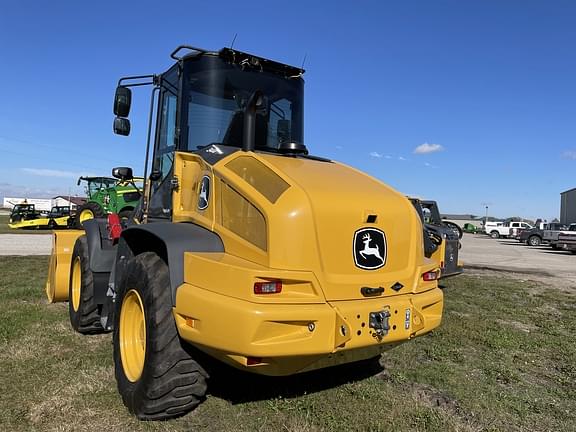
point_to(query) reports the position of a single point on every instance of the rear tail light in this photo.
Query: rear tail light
(273, 287)
(431, 275)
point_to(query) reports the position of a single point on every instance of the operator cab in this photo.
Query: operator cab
(216, 103)
(23, 212)
(59, 211)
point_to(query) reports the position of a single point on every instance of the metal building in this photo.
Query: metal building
(568, 206)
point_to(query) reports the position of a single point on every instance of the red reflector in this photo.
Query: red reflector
(114, 226)
(431, 275)
(251, 361)
(274, 287)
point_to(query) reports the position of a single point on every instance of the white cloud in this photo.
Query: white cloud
(376, 155)
(52, 173)
(388, 157)
(402, 158)
(429, 165)
(570, 154)
(428, 148)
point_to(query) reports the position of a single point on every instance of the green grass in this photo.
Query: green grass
(504, 359)
(5, 229)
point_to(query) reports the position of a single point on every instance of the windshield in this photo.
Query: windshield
(99, 184)
(216, 94)
(22, 208)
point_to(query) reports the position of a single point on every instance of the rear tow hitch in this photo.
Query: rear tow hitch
(379, 322)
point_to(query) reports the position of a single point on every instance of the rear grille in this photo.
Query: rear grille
(451, 257)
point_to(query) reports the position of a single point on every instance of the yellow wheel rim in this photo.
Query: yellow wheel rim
(76, 284)
(86, 214)
(132, 335)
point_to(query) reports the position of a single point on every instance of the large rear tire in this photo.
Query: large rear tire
(83, 310)
(88, 211)
(156, 374)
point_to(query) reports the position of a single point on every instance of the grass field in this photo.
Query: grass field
(5, 229)
(503, 360)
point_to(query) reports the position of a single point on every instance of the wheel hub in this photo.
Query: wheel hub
(76, 284)
(86, 215)
(132, 335)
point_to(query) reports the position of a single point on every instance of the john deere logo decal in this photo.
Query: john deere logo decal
(204, 193)
(369, 248)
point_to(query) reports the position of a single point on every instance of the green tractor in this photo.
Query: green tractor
(107, 195)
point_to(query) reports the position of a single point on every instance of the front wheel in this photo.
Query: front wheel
(534, 241)
(495, 234)
(156, 374)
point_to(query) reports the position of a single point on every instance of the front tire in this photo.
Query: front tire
(82, 307)
(495, 234)
(156, 374)
(534, 241)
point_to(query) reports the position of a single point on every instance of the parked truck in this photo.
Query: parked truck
(244, 246)
(553, 230)
(498, 229)
(567, 239)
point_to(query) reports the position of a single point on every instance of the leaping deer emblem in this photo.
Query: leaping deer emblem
(203, 192)
(366, 239)
(203, 197)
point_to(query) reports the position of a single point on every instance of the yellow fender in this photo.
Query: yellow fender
(59, 267)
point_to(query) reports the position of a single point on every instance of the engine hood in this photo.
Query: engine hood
(347, 227)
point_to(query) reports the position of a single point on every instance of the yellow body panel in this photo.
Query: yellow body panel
(288, 338)
(40, 223)
(60, 263)
(293, 220)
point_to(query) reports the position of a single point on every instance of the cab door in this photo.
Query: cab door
(167, 137)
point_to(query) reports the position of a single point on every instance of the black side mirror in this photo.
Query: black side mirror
(122, 173)
(121, 126)
(122, 101)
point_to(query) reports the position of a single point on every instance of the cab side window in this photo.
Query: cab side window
(167, 134)
(160, 205)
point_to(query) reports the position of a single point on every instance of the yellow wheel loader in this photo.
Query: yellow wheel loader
(244, 246)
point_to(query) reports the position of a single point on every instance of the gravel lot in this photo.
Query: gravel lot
(483, 252)
(25, 244)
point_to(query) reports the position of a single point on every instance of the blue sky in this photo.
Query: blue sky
(489, 86)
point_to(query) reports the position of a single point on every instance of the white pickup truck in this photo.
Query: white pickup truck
(552, 232)
(499, 229)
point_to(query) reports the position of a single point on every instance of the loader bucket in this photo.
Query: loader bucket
(59, 267)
